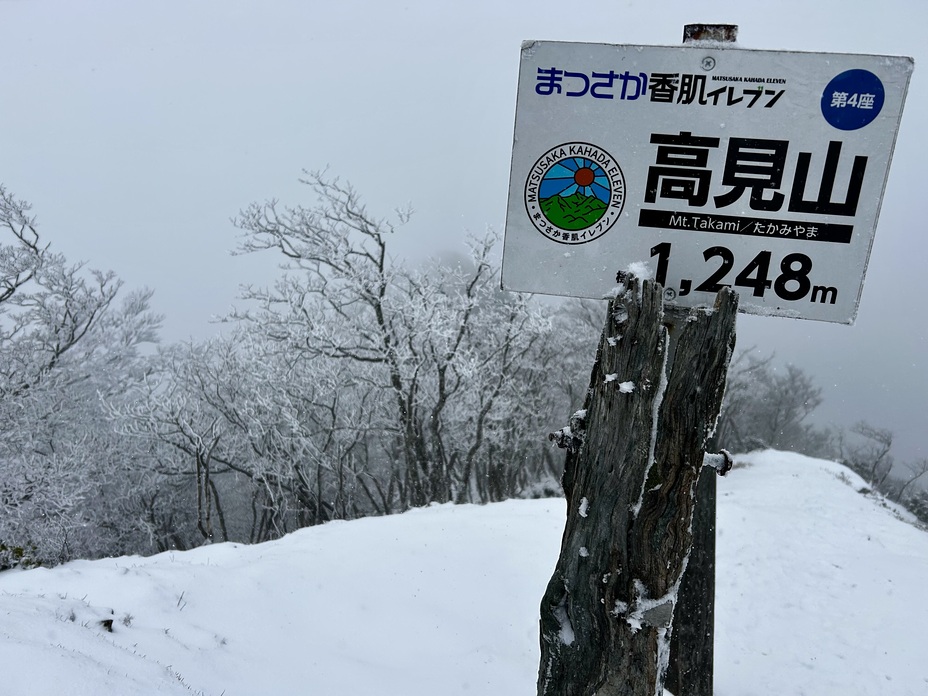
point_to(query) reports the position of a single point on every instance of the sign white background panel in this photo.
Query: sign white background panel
(715, 166)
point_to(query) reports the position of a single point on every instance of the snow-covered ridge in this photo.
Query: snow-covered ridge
(820, 591)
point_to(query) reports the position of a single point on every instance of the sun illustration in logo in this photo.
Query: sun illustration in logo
(574, 193)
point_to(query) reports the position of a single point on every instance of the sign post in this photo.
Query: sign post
(731, 180)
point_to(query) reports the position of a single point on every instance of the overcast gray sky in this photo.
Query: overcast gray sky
(138, 129)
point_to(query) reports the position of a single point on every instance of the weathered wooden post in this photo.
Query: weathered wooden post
(634, 457)
(691, 668)
(692, 643)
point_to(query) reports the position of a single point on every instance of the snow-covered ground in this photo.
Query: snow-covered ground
(821, 591)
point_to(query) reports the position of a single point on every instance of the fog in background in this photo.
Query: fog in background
(137, 130)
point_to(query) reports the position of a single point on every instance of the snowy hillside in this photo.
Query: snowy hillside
(821, 591)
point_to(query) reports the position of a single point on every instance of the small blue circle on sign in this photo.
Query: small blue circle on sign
(852, 99)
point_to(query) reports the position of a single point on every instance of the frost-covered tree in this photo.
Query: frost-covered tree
(444, 364)
(917, 503)
(914, 471)
(868, 452)
(262, 444)
(354, 385)
(767, 405)
(64, 341)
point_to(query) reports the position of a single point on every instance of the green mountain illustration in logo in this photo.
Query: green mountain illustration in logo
(575, 212)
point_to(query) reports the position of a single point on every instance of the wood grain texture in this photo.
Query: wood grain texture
(633, 461)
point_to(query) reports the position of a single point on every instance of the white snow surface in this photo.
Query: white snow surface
(820, 591)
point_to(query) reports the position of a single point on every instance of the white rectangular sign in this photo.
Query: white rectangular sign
(714, 166)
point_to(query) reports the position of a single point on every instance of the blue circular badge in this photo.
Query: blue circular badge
(575, 193)
(852, 99)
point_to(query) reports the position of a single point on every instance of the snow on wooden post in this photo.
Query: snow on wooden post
(634, 457)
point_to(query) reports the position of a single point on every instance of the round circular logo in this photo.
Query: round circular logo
(574, 193)
(852, 99)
